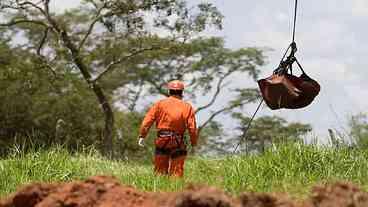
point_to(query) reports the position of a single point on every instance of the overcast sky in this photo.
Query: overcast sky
(331, 35)
(332, 48)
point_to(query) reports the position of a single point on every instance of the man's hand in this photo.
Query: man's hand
(141, 142)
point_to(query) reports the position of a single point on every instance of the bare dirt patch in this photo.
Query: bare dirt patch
(101, 191)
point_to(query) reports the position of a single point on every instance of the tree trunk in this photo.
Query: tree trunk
(109, 121)
(262, 145)
(102, 99)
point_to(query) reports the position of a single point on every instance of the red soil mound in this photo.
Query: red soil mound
(103, 191)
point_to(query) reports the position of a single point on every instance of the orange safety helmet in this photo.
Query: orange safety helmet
(176, 85)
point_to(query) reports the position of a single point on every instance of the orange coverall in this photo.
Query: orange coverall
(174, 115)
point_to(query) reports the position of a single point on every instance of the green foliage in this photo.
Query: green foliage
(290, 168)
(200, 62)
(58, 108)
(270, 129)
(127, 127)
(89, 40)
(359, 130)
(212, 140)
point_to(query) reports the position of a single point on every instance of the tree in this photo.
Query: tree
(205, 64)
(359, 129)
(65, 44)
(213, 140)
(269, 129)
(34, 101)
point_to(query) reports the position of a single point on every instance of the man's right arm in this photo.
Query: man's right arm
(148, 120)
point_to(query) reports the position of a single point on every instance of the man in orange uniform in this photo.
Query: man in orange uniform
(172, 116)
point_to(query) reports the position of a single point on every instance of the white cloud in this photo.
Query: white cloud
(360, 8)
(61, 5)
(358, 96)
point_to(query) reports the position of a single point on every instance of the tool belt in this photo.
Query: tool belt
(170, 143)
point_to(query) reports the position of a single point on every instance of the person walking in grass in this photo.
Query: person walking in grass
(173, 117)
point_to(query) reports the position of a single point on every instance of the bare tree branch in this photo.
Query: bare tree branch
(41, 57)
(92, 25)
(52, 22)
(217, 92)
(93, 2)
(6, 6)
(121, 60)
(20, 21)
(47, 66)
(42, 42)
(47, 8)
(35, 6)
(21, 6)
(136, 97)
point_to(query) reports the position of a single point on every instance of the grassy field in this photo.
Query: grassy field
(291, 168)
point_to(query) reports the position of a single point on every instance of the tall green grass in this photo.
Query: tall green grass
(289, 168)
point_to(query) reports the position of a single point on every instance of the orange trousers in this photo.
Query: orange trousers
(170, 156)
(165, 165)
